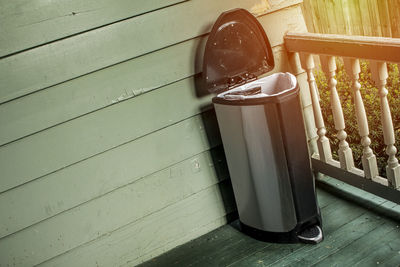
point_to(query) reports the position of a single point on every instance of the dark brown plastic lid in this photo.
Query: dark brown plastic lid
(237, 51)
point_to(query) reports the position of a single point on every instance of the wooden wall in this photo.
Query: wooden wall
(108, 153)
(353, 17)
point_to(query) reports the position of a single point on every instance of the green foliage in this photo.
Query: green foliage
(371, 100)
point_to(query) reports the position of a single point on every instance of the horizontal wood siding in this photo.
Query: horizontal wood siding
(26, 24)
(109, 152)
(109, 45)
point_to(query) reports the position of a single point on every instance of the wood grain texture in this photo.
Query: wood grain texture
(69, 58)
(108, 156)
(65, 101)
(356, 17)
(89, 135)
(86, 136)
(344, 236)
(307, 8)
(108, 213)
(357, 179)
(384, 19)
(347, 228)
(361, 197)
(139, 241)
(92, 178)
(357, 250)
(376, 48)
(97, 90)
(25, 24)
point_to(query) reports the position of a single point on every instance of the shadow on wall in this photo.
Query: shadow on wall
(217, 153)
(201, 90)
(209, 120)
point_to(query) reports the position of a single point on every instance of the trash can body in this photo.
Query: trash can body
(257, 167)
(262, 131)
(266, 150)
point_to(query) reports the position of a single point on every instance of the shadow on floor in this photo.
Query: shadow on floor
(353, 236)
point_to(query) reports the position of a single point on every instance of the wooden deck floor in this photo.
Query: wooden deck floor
(354, 236)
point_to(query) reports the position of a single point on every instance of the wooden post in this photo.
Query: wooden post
(380, 74)
(324, 148)
(368, 158)
(328, 65)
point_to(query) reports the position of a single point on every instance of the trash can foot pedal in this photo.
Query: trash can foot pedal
(311, 235)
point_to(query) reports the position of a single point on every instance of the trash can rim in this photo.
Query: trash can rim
(291, 91)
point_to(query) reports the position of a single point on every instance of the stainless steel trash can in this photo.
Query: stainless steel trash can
(263, 134)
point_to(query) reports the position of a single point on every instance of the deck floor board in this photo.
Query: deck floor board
(354, 236)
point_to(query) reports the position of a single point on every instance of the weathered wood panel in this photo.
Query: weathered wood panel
(384, 19)
(89, 146)
(114, 210)
(87, 52)
(347, 228)
(370, 17)
(25, 24)
(65, 101)
(97, 90)
(394, 15)
(96, 132)
(187, 219)
(375, 48)
(92, 134)
(356, 17)
(94, 177)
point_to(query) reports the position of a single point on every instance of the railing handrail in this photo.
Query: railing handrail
(365, 47)
(378, 50)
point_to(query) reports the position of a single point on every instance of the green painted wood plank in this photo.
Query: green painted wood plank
(219, 250)
(339, 213)
(343, 236)
(324, 199)
(381, 254)
(268, 255)
(366, 230)
(361, 197)
(89, 135)
(108, 213)
(154, 234)
(215, 250)
(196, 233)
(360, 248)
(393, 260)
(241, 249)
(336, 239)
(97, 90)
(200, 247)
(89, 179)
(96, 132)
(87, 52)
(25, 24)
(233, 249)
(334, 216)
(65, 101)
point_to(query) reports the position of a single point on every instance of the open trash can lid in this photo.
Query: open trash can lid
(237, 51)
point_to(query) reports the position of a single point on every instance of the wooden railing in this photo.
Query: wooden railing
(351, 48)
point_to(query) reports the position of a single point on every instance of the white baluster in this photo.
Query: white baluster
(301, 76)
(328, 65)
(380, 74)
(368, 158)
(324, 148)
